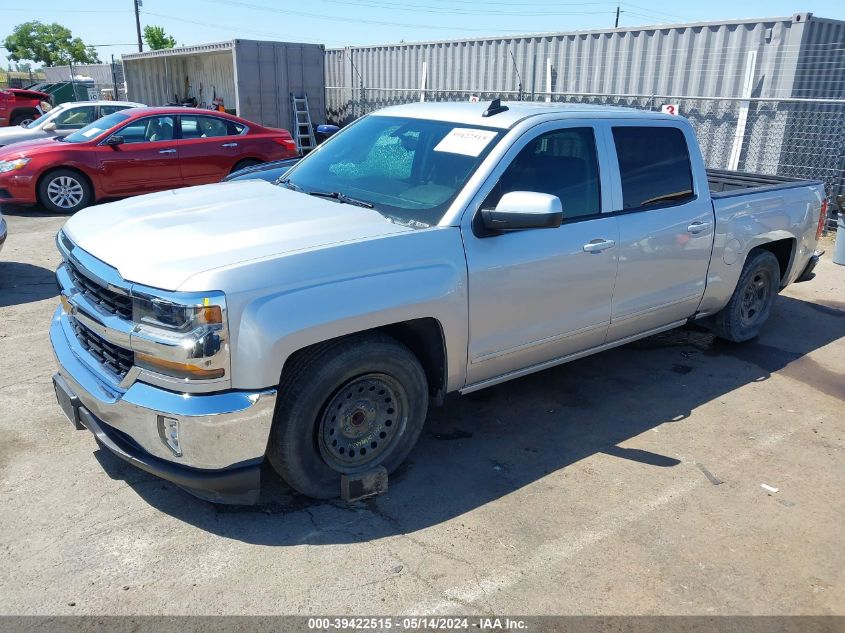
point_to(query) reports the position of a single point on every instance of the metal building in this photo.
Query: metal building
(253, 79)
(764, 95)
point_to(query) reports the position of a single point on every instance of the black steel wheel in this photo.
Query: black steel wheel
(346, 407)
(751, 303)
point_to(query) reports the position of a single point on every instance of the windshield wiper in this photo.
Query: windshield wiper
(341, 197)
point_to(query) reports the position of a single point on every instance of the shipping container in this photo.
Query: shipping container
(252, 79)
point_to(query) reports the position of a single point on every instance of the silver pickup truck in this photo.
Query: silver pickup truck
(425, 249)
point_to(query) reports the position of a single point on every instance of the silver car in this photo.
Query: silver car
(2, 231)
(63, 119)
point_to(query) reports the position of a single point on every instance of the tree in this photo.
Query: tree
(156, 38)
(50, 44)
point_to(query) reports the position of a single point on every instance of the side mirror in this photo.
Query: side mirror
(114, 140)
(524, 210)
(49, 127)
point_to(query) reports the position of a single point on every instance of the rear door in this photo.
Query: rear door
(148, 159)
(209, 147)
(541, 294)
(666, 226)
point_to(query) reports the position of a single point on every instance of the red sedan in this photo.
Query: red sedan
(135, 151)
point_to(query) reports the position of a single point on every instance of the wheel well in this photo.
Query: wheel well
(19, 111)
(240, 164)
(424, 337)
(782, 250)
(73, 169)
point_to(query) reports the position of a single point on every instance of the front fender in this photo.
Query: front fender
(344, 289)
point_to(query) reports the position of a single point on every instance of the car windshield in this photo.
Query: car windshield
(92, 130)
(45, 118)
(409, 170)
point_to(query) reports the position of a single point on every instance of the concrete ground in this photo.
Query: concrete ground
(625, 483)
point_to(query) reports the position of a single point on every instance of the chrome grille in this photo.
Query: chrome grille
(116, 359)
(109, 300)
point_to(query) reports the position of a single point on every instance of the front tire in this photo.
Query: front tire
(64, 191)
(751, 303)
(346, 407)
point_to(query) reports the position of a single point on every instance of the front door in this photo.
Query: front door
(148, 159)
(538, 295)
(666, 227)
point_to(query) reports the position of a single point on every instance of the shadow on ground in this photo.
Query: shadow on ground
(483, 446)
(24, 283)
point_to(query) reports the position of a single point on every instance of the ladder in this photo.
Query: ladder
(303, 130)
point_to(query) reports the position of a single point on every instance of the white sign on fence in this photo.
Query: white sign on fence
(670, 108)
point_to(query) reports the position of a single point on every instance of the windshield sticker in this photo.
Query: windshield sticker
(91, 132)
(466, 141)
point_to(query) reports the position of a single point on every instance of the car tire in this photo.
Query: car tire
(247, 162)
(20, 119)
(346, 407)
(64, 191)
(751, 303)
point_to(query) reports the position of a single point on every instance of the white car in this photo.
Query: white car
(63, 119)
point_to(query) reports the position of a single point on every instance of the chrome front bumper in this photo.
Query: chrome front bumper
(217, 431)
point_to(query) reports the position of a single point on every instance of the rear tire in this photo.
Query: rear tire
(346, 407)
(248, 162)
(749, 308)
(65, 191)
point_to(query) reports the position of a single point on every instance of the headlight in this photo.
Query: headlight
(181, 336)
(13, 165)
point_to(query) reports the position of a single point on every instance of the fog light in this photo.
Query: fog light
(168, 431)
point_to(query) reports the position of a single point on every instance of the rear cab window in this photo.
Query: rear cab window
(654, 166)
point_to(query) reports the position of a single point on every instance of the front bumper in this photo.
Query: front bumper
(222, 436)
(18, 188)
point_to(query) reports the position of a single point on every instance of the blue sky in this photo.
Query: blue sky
(110, 24)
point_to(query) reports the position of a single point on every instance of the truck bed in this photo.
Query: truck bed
(725, 183)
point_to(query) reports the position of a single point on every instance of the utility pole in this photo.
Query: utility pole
(138, 4)
(615, 26)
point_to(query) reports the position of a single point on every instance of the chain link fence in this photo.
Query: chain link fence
(801, 138)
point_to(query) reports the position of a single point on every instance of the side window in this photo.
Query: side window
(654, 166)
(150, 130)
(111, 109)
(76, 118)
(235, 129)
(562, 163)
(203, 127)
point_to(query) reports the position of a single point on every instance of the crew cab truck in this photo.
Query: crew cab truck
(425, 249)
(20, 107)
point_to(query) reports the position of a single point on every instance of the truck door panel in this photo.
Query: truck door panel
(665, 230)
(536, 295)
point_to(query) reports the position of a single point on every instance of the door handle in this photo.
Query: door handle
(598, 245)
(698, 227)
(167, 151)
(229, 145)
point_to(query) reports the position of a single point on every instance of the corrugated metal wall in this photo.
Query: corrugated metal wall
(159, 80)
(705, 60)
(267, 74)
(254, 78)
(100, 73)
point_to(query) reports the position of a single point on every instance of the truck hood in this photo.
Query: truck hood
(163, 239)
